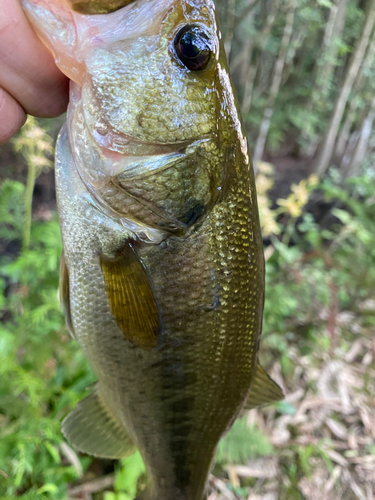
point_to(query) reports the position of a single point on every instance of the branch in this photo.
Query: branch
(92, 486)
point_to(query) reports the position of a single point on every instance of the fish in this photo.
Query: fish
(162, 272)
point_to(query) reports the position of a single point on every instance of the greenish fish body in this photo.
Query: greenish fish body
(162, 277)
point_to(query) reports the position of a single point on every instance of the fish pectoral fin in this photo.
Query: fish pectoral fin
(131, 298)
(64, 295)
(91, 429)
(263, 390)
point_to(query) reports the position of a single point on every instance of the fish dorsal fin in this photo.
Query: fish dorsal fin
(131, 298)
(91, 429)
(263, 390)
(64, 295)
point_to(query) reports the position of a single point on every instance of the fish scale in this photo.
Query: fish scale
(162, 277)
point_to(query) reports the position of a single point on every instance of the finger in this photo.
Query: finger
(28, 71)
(12, 116)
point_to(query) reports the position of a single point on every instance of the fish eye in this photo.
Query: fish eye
(193, 47)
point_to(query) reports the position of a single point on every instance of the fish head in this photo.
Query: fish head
(153, 115)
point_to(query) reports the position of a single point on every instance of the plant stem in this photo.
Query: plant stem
(31, 175)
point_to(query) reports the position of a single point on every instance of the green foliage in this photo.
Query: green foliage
(131, 470)
(242, 443)
(11, 211)
(42, 376)
(300, 276)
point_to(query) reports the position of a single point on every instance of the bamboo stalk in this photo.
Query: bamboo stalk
(329, 50)
(275, 86)
(362, 143)
(359, 83)
(252, 69)
(324, 70)
(246, 15)
(343, 138)
(230, 27)
(353, 139)
(323, 161)
(245, 12)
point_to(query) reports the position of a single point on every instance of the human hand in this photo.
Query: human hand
(30, 82)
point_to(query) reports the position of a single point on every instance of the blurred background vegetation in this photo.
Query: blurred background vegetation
(304, 72)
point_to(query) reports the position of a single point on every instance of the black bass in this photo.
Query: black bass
(162, 277)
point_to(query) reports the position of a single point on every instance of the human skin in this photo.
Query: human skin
(30, 82)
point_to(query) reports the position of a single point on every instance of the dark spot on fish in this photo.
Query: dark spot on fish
(194, 210)
(215, 303)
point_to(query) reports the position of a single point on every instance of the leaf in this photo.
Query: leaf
(53, 452)
(48, 488)
(286, 408)
(325, 3)
(127, 477)
(242, 443)
(342, 215)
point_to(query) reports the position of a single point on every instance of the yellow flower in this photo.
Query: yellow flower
(263, 184)
(268, 222)
(313, 181)
(290, 205)
(264, 168)
(301, 193)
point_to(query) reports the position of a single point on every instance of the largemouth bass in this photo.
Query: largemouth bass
(162, 277)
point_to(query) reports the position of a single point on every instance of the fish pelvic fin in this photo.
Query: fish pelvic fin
(263, 390)
(92, 429)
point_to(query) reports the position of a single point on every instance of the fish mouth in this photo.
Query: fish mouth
(115, 145)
